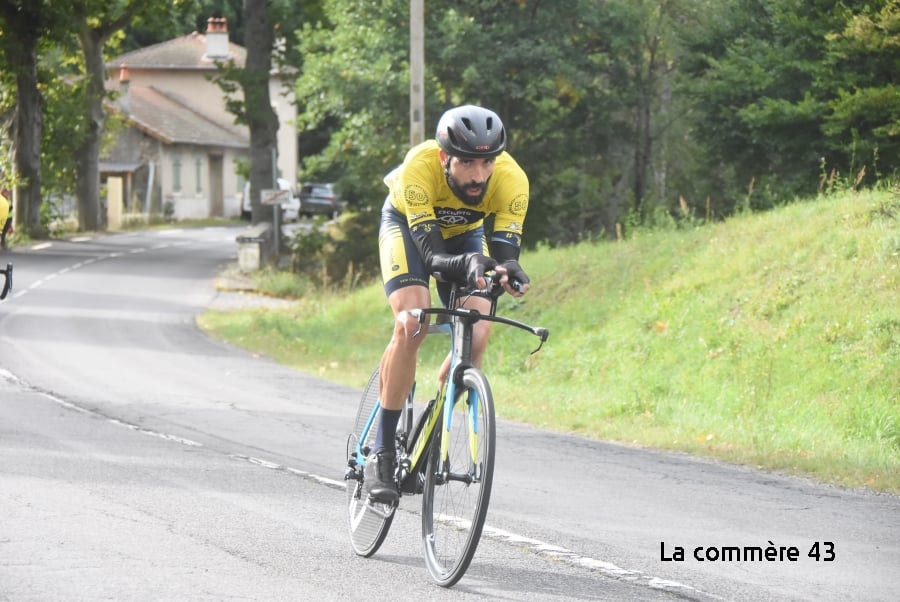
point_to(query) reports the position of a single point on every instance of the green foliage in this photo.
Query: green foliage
(767, 339)
(355, 84)
(783, 85)
(341, 254)
(355, 78)
(63, 87)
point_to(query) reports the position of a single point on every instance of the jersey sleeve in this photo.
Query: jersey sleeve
(512, 205)
(413, 189)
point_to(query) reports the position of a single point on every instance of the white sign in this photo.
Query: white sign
(274, 197)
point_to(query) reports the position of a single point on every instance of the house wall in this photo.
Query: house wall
(184, 180)
(193, 87)
(186, 187)
(283, 103)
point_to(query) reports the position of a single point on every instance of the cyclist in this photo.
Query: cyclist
(432, 223)
(5, 216)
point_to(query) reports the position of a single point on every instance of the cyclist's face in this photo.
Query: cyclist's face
(468, 178)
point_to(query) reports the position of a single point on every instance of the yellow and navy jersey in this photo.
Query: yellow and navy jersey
(420, 192)
(5, 207)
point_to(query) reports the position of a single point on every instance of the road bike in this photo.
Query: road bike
(446, 455)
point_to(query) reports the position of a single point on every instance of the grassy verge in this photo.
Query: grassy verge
(771, 340)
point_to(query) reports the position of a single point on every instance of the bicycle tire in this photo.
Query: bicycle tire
(454, 509)
(368, 523)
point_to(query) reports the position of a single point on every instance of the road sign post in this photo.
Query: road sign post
(276, 198)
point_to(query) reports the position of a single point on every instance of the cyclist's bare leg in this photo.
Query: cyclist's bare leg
(398, 363)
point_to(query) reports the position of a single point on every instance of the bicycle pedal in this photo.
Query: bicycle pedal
(381, 509)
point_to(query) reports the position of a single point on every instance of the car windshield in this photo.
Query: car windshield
(317, 190)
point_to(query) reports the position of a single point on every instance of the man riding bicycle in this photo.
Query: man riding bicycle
(6, 224)
(432, 223)
(5, 216)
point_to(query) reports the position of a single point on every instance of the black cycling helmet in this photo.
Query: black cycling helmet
(471, 132)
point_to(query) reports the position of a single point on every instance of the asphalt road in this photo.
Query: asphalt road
(140, 460)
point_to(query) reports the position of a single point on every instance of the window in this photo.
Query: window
(176, 173)
(199, 164)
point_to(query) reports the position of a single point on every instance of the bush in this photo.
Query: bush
(345, 250)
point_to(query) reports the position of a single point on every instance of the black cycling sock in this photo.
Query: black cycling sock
(387, 428)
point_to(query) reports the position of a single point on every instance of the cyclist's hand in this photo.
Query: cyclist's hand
(476, 266)
(514, 279)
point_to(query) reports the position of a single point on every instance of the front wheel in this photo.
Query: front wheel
(458, 488)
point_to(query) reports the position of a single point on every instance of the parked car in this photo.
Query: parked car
(290, 210)
(320, 199)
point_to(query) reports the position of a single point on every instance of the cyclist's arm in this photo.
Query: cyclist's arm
(505, 247)
(428, 239)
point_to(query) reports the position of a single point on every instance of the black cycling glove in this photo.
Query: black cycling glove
(476, 265)
(465, 268)
(516, 274)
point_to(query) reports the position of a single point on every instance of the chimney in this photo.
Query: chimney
(124, 89)
(217, 39)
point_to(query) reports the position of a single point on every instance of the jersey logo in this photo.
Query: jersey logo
(452, 220)
(519, 205)
(415, 195)
(457, 217)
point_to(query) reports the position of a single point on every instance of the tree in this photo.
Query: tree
(352, 95)
(864, 109)
(262, 21)
(96, 21)
(258, 113)
(23, 24)
(782, 87)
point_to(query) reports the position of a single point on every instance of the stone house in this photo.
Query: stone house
(180, 151)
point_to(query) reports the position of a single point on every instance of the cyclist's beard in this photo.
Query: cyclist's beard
(460, 190)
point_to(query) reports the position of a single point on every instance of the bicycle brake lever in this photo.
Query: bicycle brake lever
(419, 315)
(541, 333)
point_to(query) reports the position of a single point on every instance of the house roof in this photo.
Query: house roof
(173, 120)
(186, 52)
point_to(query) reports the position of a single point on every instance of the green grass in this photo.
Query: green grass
(771, 340)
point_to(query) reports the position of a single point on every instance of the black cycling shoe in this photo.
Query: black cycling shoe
(379, 480)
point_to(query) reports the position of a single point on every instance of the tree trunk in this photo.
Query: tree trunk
(261, 118)
(87, 188)
(19, 42)
(29, 131)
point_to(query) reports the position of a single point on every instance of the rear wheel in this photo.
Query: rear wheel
(369, 523)
(458, 490)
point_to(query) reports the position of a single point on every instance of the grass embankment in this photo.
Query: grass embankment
(771, 340)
